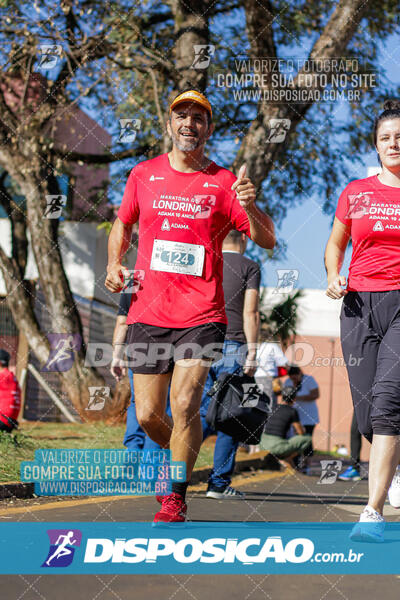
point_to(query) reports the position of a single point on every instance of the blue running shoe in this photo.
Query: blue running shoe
(350, 474)
(370, 528)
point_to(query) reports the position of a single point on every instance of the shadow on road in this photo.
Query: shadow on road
(299, 498)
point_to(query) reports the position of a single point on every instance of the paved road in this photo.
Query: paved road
(270, 497)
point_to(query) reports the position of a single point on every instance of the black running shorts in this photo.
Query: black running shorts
(152, 349)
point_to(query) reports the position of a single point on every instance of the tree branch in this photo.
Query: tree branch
(256, 150)
(21, 307)
(19, 241)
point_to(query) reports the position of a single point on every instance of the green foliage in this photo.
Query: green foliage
(282, 318)
(106, 225)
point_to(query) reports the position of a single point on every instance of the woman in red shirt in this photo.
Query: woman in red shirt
(368, 211)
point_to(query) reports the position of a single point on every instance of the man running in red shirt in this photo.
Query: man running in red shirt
(10, 395)
(185, 205)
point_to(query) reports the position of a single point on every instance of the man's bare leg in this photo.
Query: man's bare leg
(187, 384)
(151, 392)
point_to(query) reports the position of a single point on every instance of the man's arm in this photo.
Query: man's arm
(298, 427)
(310, 397)
(118, 368)
(262, 229)
(118, 243)
(251, 326)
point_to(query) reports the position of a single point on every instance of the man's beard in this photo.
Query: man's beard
(185, 146)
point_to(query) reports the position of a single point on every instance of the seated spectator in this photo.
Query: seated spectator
(307, 394)
(283, 416)
(10, 395)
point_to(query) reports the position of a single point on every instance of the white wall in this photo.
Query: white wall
(84, 252)
(318, 314)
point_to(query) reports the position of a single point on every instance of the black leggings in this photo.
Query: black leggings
(355, 444)
(370, 336)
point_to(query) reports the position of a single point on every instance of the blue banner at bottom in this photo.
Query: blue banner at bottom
(208, 548)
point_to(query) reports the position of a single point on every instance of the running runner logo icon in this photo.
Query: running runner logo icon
(63, 543)
(62, 348)
(287, 279)
(330, 470)
(251, 395)
(98, 396)
(54, 206)
(202, 55)
(50, 54)
(278, 129)
(128, 129)
(132, 281)
(358, 205)
(206, 202)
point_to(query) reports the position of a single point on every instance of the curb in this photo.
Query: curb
(259, 460)
(16, 490)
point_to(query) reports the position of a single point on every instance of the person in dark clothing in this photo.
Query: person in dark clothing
(352, 473)
(241, 283)
(282, 418)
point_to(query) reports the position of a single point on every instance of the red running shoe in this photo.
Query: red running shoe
(160, 498)
(173, 509)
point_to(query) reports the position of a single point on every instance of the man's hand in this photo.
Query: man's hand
(250, 366)
(245, 190)
(115, 278)
(118, 368)
(335, 289)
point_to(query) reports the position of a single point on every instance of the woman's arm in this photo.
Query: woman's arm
(334, 256)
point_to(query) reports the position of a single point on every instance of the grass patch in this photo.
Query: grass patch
(33, 436)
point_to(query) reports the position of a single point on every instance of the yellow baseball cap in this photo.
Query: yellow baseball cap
(192, 96)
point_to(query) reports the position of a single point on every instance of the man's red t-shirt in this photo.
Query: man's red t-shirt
(10, 396)
(372, 210)
(183, 220)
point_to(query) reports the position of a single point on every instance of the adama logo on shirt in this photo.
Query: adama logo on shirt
(154, 178)
(378, 226)
(167, 227)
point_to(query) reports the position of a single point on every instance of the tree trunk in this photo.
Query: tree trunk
(190, 29)
(259, 154)
(59, 300)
